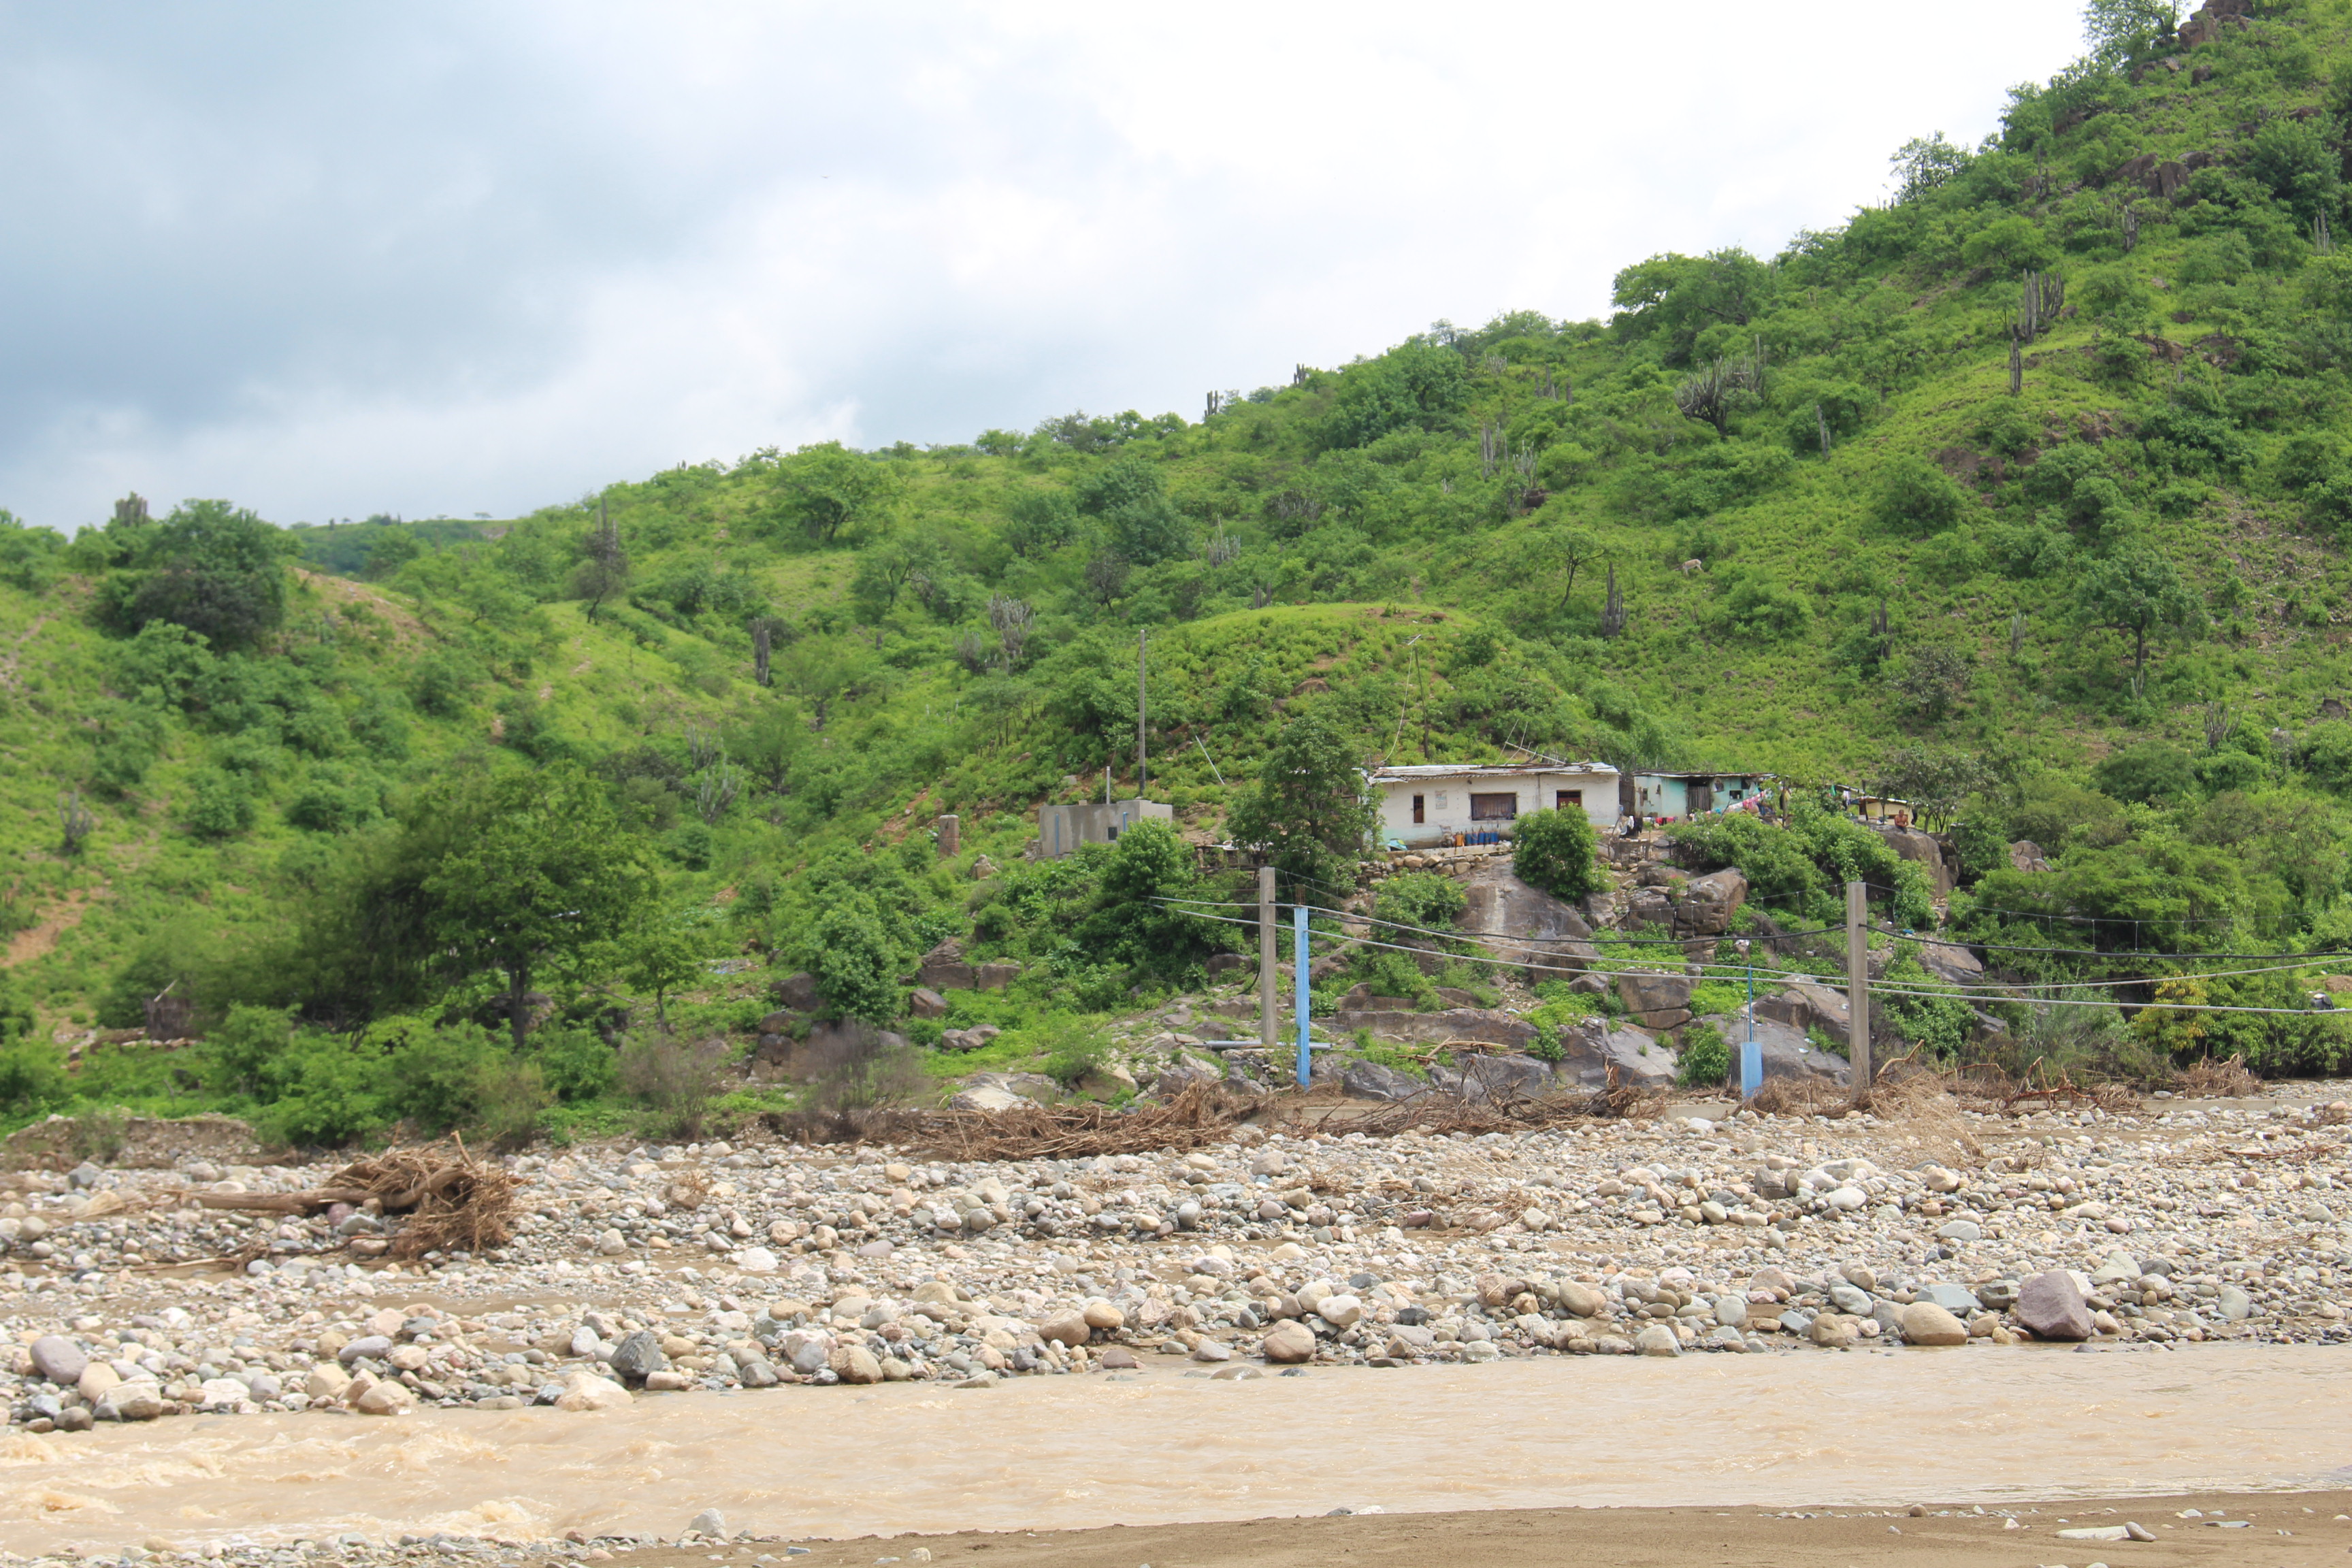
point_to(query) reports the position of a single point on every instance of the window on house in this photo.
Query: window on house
(1419, 813)
(1494, 807)
(1569, 800)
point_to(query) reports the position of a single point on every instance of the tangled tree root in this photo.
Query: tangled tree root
(450, 1199)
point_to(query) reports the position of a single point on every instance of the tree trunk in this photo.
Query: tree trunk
(518, 1008)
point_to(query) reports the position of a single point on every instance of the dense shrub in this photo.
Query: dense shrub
(1553, 850)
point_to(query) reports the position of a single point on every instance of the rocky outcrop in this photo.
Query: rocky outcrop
(1371, 1080)
(1481, 1024)
(2026, 856)
(1948, 960)
(1589, 1048)
(1921, 848)
(943, 969)
(1705, 904)
(1786, 1052)
(1523, 924)
(1656, 1000)
(1809, 1005)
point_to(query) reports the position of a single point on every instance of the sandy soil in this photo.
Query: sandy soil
(2283, 1529)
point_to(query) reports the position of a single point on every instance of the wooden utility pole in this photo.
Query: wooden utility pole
(1857, 986)
(1142, 647)
(1265, 956)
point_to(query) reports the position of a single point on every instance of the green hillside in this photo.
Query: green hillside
(2103, 611)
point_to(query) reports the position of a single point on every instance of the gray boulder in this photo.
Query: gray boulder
(1524, 924)
(2051, 1306)
(1371, 1080)
(638, 1355)
(1704, 905)
(1957, 1299)
(1503, 1078)
(1787, 1053)
(1651, 991)
(943, 969)
(795, 992)
(58, 1359)
(1808, 1005)
(1913, 844)
(1948, 960)
(1484, 1024)
(925, 1003)
(1593, 1047)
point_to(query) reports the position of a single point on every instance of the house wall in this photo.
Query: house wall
(1062, 828)
(1447, 802)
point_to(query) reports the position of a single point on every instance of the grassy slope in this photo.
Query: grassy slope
(907, 732)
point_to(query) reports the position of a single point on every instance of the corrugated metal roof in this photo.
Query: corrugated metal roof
(1487, 770)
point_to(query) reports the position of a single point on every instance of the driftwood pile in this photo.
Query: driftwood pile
(448, 1198)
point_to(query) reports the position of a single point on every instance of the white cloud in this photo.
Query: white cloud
(452, 258)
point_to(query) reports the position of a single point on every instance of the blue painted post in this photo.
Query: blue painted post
(1299, 988)
(1751, 1055)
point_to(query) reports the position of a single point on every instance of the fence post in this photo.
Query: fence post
(1298, 984)
(1266, 1033)
(1857, 986)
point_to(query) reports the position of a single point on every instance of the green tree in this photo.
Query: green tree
(1931, 679)
(2293, 158)
(667, 950)
(2150, 771)
(1308, 814)
(2137, 592)
(1554, 851)
(827, 491)
(1130, 923)
(1914, 496)
(2120, 31)
(214, 568)
(851, 957)
(1925, 163)
(537, 871)
(2009, 245)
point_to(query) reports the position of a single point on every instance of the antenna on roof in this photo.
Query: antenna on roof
(1544, 756)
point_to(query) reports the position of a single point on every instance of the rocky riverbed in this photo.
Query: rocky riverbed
(643, 1270)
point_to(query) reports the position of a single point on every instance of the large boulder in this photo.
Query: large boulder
(2026, 856)
(1703, 904)
(1483, 1024)
(1913, 844)
(2051, 1306)
(1656, 1000)
(795, 992)
(988, 1097)
(1503, 1077)
(946, 971)
(1787, 1053)
(1950, 962)
(1809, 1004)
(1371, 1080)
(1592, 1047)
(1524, 924)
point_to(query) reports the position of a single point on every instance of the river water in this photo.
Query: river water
(1861, 1428)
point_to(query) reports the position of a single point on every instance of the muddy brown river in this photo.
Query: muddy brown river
(1862, 1428)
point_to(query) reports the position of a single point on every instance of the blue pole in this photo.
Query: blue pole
(1751, 1055)
(1299, 988)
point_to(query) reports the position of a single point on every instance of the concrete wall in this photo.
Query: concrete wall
(1446, 802)
(1062, 828)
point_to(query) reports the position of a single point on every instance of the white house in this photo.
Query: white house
(1442, 803)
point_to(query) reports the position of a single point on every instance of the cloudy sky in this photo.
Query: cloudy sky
(444, 259)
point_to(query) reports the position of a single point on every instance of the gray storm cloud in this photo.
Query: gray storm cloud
(329, 260)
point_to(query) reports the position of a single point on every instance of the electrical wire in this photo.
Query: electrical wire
(1878, 989)
(2093, 953)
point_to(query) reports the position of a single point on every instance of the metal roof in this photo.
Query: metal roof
(1487, 770)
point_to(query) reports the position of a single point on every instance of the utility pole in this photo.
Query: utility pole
(1142, 646)
(1857, 986)
(1266, 957)
(1299, 991)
